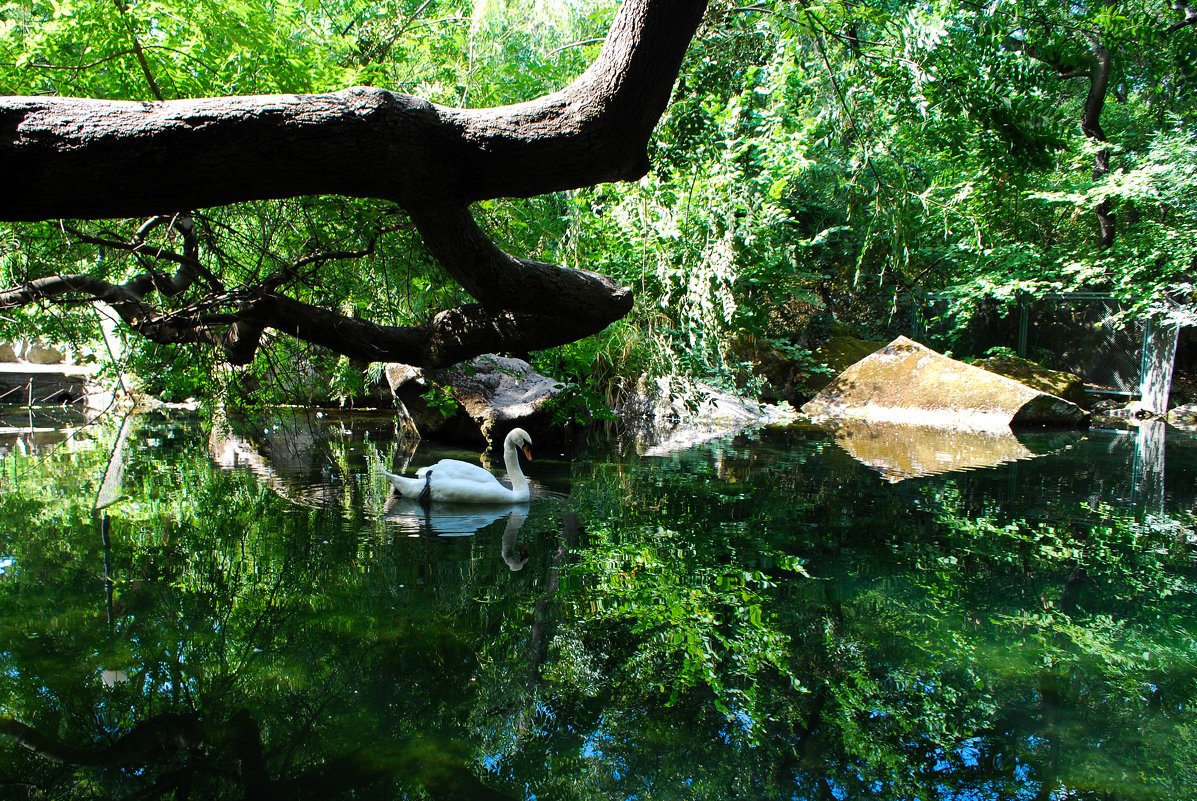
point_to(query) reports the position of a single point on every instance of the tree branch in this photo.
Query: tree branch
(498, 279)
(1065, 69)
(126, 299)
(1189, 20)
(84, 158)
(451, 336)
(189, 263)
(94, 159)
(145, 65)
(1097, 71)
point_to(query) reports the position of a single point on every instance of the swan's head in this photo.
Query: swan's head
(519, 439)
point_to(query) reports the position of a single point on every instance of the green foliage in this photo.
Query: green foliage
(819, 163)
(578, 405)
(693, 627)
(442, 400)
(680, 623)
(1152, 261)
(1001, 351)
(590, 375)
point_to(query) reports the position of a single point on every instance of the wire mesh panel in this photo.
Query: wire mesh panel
(1085, 334)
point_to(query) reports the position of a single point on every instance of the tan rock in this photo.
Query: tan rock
(906, 382)
(1054, 382)
(41, 353)
(839, 353)
(7, 352)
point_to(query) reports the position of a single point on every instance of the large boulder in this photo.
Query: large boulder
(797, 375)
(1054, 382)
(906, 382)
(839, 353)
(475, 402)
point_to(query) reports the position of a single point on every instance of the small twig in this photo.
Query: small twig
(143, 249)
(145, 65)
(80, 67)
(835, 85)
(583, 43)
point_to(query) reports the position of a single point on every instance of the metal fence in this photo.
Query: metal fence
(1084, 333)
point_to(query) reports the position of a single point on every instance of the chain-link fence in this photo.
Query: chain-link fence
(1084, 333)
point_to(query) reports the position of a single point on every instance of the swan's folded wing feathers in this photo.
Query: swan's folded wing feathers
(458, 470)
(455, 491)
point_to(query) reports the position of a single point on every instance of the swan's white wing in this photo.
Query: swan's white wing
(458, 471)
(446, 489)
(449, 489)
(405, 486)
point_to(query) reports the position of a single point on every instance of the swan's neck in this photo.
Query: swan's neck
(519, 484)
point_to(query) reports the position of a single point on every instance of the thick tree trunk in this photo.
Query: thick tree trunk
(82, 158)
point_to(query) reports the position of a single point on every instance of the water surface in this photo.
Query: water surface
(764, 616)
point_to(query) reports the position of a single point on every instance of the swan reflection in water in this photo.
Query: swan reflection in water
(461, 520)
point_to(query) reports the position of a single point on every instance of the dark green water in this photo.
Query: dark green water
(760, 617)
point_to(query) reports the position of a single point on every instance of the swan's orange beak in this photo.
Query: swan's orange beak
(528, 452)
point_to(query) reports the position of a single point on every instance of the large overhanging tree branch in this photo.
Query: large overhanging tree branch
(99, 159)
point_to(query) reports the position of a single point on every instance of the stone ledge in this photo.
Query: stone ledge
(24, 382)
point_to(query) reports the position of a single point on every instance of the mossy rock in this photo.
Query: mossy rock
(839, 353)
(790, 380)
(909, 383)
(1053, 382)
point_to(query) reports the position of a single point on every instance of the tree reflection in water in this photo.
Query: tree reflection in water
(759, 617)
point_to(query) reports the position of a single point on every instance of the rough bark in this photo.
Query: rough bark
(1095, 100)
(84, 158)
(93, 159)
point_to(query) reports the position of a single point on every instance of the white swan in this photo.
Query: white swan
(455, 481)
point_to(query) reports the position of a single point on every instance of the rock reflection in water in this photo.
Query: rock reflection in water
(899, 452)
(300, 457)
(20, 435)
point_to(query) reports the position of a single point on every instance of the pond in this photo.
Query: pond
(777, 614)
